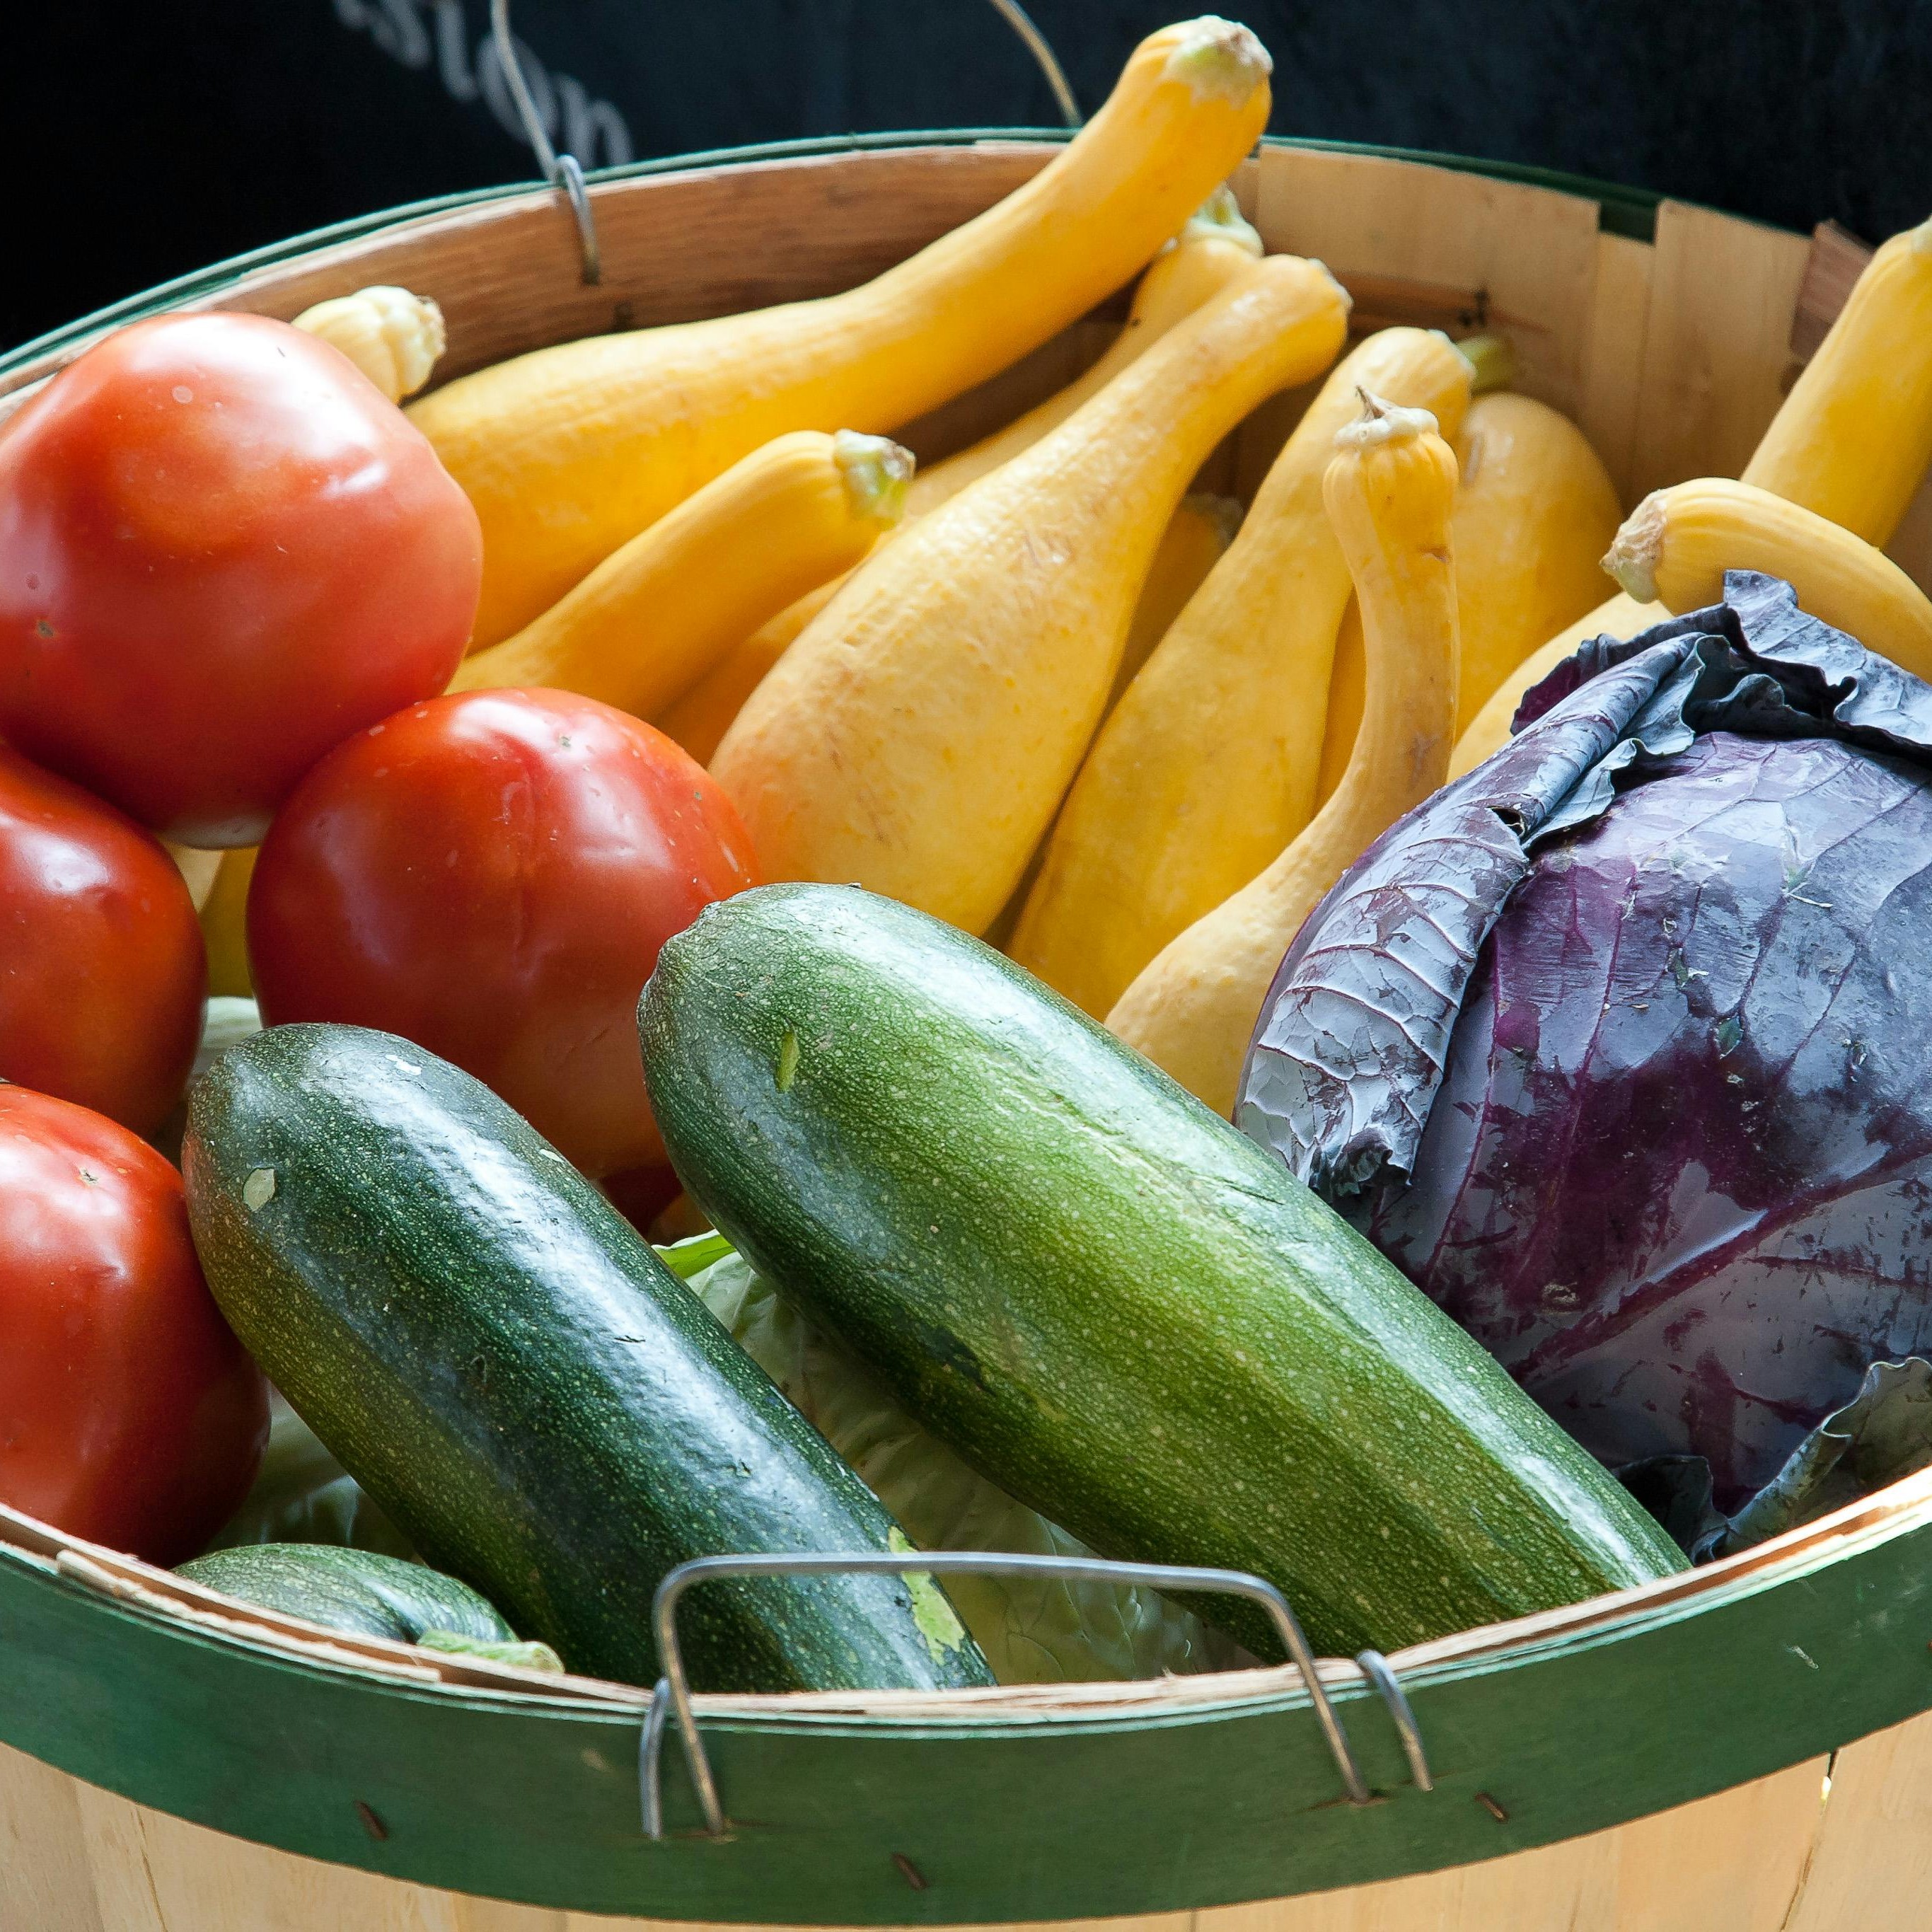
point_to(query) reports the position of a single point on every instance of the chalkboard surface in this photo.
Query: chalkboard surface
(144, 139)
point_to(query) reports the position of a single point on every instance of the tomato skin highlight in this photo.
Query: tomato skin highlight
(490, 875)
(130, 1415)
(222, 550)
(102, 972)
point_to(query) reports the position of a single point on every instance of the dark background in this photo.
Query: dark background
(146, 137)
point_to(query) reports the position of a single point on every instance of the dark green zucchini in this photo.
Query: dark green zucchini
(545, 1410)
(1115, 1306)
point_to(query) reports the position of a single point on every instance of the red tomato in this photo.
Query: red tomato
(129, 1413)
(222, 550)
(102, 969)
(490, 875)
(641, 1194)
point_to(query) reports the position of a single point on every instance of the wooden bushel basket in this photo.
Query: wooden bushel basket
(1740, 1749)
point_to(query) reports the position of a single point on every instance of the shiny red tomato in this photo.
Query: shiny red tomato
(102, 969)
(491, 875)
(129, 1413)
(222, 550)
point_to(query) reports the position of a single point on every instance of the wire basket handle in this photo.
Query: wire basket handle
(566, 172)
(670, 1701)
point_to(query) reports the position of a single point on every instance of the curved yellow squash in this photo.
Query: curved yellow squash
(1535, 509)
(654, 617)
(1678, 543)
(1391, 491)
(1215, 248)
(920, 735)
(1852, 439)
(1206, 770)
(224, 925)
(569, 451)
(1618, 617)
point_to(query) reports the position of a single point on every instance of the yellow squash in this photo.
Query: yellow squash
(1214, 248)
(1390, 492)
(224, 925)
(653, 618)
(1206, 770)
(1195, 540)
(1678, 543)
(1534, 510)
(569, 451)
(1217, 246)
(920, 735)
(1620, 616)
(1853, 438)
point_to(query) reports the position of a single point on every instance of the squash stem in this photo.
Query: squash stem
(1632, 558)
(1219, 218)
(877, 473)
(1220, 57)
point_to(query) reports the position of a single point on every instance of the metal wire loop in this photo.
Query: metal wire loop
(1375, 1667)
(566, 172)
(672, 1695)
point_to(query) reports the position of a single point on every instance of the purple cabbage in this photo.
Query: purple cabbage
(1620, 1048)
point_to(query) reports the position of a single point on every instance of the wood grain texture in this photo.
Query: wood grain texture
(1612, 359)
(1874, 1847)
(1495, 254)
(1716, 347)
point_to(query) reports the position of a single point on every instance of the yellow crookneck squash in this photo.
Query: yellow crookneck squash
(1390, 492)
(1215, 248)
(1534, 510)
(1206, 769)
(1677, 543)
(655, 616)
(920, 735)
(1852, 441)
(569, 451)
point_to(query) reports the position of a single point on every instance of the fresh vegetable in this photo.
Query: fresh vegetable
(101, 999)
(491, 875)
(1206, 769)
(367, 1595)
(675, 602)
(1678, 543)
(1618, 617)
(1618, 1046)
(1534, 511)
(1852, 441)
(1196, 538)
(1217, 247)
(129, 1415)
(1389, 490)
(919, 736)
(1104, 1299)
(224, 925)
(394, 337)
(1031, 1630)
(537, 1401)
(571, 451)
(221, 552)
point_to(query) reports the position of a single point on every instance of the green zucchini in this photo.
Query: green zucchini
(366, 1594)
(545, 1410)
(1109, 1302)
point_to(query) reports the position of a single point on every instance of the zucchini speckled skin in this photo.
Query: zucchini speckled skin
(353, 1590)
(542, 1406)
(1117, 1308)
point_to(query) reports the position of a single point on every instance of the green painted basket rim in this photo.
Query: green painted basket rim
(1622, 210)
(1008, 1817)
